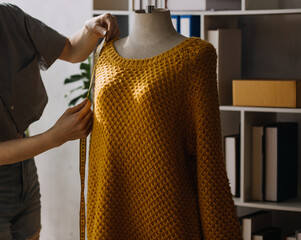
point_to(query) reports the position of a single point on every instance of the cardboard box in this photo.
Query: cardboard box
(267, 93)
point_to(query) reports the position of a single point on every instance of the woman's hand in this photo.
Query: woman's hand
(104, 26)
(82, 43)
(75, 123)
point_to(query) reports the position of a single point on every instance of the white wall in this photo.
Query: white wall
(58, 168)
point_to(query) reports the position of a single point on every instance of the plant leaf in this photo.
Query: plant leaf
(76, 76)
(74, 100)
(86, 85)
(86, 75)
(73, 78)
(85, 66)
(74, 89)
(84, 95)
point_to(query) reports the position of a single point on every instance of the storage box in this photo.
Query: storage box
(267, 93)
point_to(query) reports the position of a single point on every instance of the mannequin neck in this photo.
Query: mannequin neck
(150, 28)
(151, 34)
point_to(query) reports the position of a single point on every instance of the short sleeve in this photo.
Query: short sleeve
(217, 211)
(47, 42)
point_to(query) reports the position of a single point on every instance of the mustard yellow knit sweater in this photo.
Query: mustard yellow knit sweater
(156, 170)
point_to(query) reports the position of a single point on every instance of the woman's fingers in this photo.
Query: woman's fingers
(84, 110)
(77, 107)
(104, 26)
(116, 30)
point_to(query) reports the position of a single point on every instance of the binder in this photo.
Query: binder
(232, 162)
(190, 25)
(227, 43)
(258, 166)
(176, 22)
(281, 160)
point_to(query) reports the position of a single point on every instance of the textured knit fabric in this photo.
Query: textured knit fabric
(156, 169)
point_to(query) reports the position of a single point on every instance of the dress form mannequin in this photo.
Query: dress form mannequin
(156, 169)
(151, 35)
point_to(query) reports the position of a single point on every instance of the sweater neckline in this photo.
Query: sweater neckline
(114, 57)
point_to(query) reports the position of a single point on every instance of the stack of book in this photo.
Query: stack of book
(260, 226)
(256, 226)
(274, 161)
(295, 236)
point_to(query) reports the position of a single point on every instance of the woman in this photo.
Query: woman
(26, 45)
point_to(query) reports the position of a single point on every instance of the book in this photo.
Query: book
(258, 166)
(227, 43)
(254, 222)
(292, 237)
(281, 157)
(232, 162)
(270, 233)
(190, 25)
(176, 22)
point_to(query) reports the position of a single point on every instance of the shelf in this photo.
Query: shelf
(238, 12)
(293, 205)
(260, 109)
(113, 12)
(254, 12)
(211, 13)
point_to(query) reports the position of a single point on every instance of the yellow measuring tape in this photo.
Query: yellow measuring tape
(82, 159)
(82, 167)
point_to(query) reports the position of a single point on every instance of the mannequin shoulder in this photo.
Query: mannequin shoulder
(201, 51)
(120, 43)
(201, 46)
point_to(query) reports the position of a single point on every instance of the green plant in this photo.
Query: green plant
(85, 78)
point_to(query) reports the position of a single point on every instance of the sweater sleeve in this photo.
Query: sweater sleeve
(217, 211)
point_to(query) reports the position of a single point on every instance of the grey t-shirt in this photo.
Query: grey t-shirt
(26, 46)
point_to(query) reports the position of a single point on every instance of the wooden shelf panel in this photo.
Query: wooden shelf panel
(293, 205)
(111, 4)
(113, 12)
(239, 12)
(260, 109)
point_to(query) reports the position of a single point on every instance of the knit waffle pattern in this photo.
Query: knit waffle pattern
(156, 169)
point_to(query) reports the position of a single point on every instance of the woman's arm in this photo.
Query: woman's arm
(75, 123)
(83, 42)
